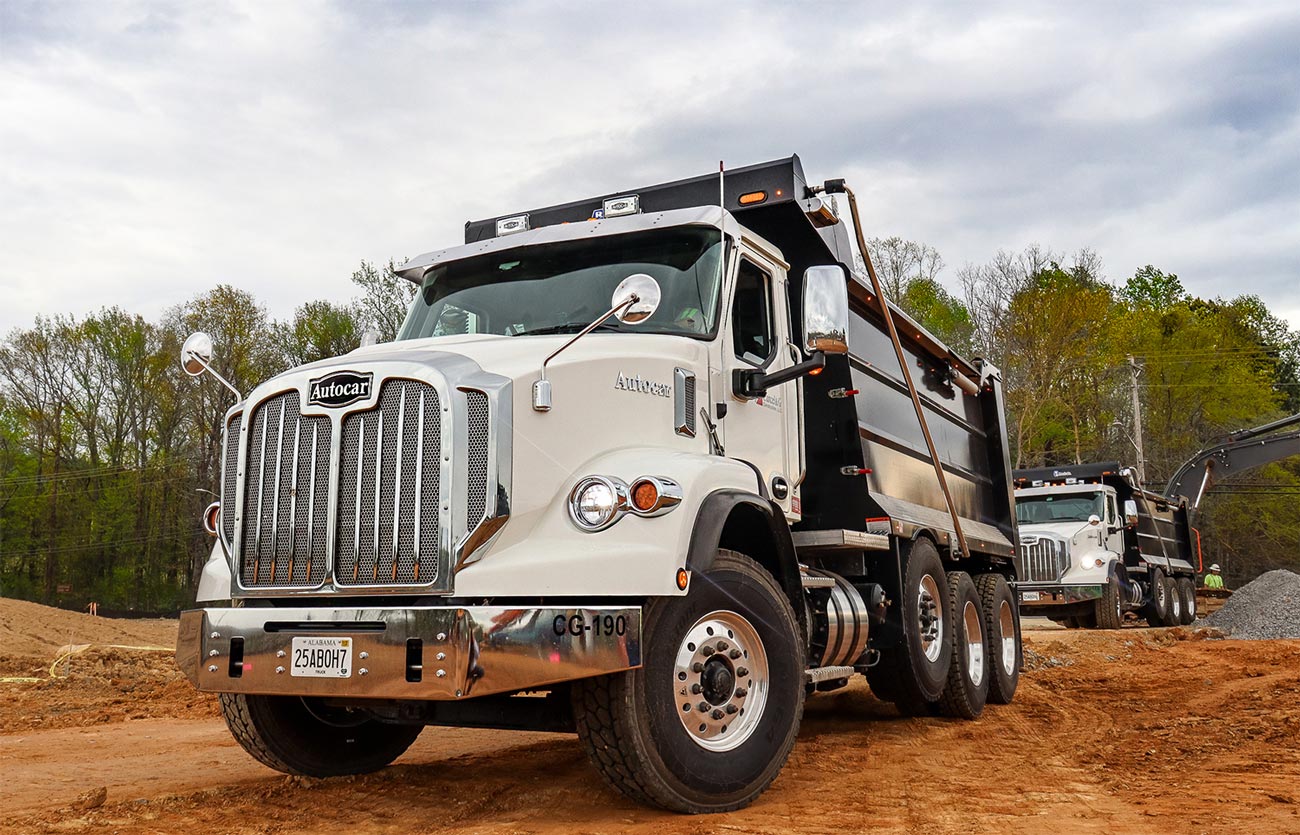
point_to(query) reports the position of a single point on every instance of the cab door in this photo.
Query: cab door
(762, 430)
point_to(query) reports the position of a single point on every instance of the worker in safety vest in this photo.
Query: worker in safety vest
(1214, 580)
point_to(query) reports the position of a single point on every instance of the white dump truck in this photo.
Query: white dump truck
(651, 467)
(1094, 545)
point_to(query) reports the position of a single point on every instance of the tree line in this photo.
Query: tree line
(108, 454)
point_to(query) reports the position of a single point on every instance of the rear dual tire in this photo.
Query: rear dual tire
(914, 673)
(1188, 591)
(967, 689)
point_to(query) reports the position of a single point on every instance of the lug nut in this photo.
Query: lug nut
(696, 689)
(697, 667)
(704, 707)
(722, 646)
(735, 653)
(706, 650)
(732, 708)
(742, 671)
(741, 692)
(717, 714)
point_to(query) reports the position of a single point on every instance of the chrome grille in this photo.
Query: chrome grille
(1042, 559)
(476, 500)
(229, 479)
(389, 489)
(286, 496)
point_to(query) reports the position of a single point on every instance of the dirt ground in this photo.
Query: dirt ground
(1137, 731)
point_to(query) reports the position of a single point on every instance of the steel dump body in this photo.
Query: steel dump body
(875, 430)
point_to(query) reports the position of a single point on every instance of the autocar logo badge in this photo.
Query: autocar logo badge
(342, 388)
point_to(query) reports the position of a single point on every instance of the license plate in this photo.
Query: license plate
(322, 657)
(1030, 596)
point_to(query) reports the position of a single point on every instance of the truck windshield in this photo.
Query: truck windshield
(1069, 507)
(563, 287)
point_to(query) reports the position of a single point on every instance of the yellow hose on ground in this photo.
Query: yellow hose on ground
(67, 652)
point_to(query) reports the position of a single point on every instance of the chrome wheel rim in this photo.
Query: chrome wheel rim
(929, 618)
(1177, 603)
(974, 643)
(1191, 606)
(1008, 623)
(720, 678)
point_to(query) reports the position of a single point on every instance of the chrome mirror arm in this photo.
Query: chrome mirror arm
(208, 368)
(542, 387)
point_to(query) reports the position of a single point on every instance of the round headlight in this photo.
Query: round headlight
(597, 502)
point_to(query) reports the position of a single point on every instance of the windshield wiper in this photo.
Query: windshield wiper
(569, 327)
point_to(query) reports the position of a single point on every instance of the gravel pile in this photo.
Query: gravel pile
(1266, 607)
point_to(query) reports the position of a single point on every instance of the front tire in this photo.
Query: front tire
(304, 736)
(1109, 608)
(708, 721)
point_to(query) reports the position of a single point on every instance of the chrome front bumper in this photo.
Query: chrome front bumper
(435, 652)
(1055, 594)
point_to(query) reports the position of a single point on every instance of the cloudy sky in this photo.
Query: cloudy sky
(151, 150)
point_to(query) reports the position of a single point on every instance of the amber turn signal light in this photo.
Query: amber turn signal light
(752, 198)
(682, 579)
(645, 495)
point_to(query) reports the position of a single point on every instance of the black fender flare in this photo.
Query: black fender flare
(706, 537)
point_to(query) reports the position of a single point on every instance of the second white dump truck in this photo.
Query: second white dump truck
(652, 467)
(1094, 545)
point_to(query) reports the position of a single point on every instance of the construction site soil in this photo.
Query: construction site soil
(1134, 731)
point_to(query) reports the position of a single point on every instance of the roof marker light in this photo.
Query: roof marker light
(511, 225)
(619, 206)
(753, 197)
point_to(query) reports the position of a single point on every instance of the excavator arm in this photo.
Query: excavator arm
(1242, 451)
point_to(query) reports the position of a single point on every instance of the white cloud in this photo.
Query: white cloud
(150, 150)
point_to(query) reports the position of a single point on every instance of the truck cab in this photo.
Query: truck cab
(1069, 537)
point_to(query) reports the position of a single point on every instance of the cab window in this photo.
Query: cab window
(751, 315)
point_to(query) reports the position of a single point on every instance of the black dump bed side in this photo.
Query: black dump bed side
(1163, 536)
(876, 429)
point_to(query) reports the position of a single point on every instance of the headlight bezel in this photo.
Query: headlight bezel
(618, 490)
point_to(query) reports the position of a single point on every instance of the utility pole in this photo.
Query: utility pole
(1137, 422)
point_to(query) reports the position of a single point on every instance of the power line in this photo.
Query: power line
(90, 546)
(96, 472)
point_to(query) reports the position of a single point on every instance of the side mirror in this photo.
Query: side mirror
(196, 357)
(826, 310)
(1130, 512)
(196, 353)
(641, 287)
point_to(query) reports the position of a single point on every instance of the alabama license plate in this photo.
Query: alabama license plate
(1030, 596)
(322, 657)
